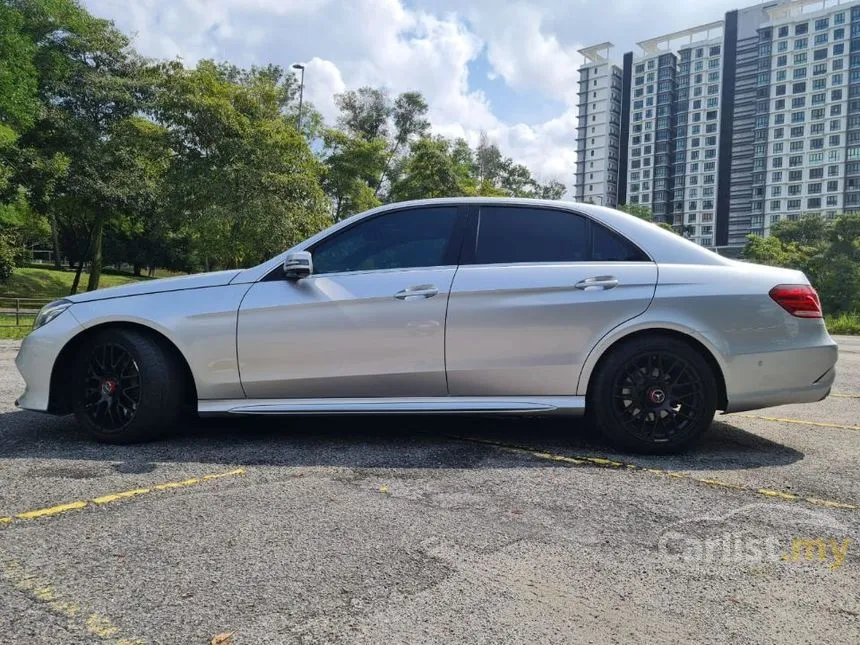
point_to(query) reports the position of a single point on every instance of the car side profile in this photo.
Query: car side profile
(469, 305)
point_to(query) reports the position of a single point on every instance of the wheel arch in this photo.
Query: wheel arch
(695, 340)
(59, 401)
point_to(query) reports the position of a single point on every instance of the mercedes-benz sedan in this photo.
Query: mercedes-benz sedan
(445, 306)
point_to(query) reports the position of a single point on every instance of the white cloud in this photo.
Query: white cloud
(525, 55)
(426, 45)
(322, 81)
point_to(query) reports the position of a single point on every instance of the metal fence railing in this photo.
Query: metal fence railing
(20, 312)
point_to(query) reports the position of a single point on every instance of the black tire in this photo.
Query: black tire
(127, 386)
(653, 395)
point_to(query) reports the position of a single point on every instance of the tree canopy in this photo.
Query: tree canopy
(107, 157)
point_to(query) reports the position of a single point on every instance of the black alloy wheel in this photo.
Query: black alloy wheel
(128, 385)
(653, 394)
(112, 387)
(658, 396)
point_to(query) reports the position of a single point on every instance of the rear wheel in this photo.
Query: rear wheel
(128, 387)
(653, 395)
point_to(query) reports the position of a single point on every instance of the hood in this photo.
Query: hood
(198, 281)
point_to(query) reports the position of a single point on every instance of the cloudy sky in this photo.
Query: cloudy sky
(509, 69)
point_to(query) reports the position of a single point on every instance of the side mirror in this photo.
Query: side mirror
(298, 265)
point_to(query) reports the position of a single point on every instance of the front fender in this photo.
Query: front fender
(201, 323)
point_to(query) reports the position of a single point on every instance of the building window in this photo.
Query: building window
(795, 175)
(798, 88)
(800, 43)
(816, 173)
(816, 157)
(819, 54)
(813, 189)
(801, 29)
(800, 59)
(794, 162)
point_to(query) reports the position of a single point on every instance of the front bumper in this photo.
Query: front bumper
(37, 356)
(803, 375)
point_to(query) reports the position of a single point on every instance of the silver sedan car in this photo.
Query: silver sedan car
(451, 306)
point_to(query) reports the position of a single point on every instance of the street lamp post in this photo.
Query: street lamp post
(301, 92)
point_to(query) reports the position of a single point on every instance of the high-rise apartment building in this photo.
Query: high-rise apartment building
(726, 128)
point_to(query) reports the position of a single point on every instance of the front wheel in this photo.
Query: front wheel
(128, 387)
(653, 395)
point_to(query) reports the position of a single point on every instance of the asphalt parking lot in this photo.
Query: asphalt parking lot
(421, 530)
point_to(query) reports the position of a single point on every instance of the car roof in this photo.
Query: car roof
(663, 246)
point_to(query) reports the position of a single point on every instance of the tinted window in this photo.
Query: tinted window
(403, 239)
(508, 235)
(609, 247)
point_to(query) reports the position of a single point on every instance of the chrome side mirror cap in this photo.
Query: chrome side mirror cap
(298, 265)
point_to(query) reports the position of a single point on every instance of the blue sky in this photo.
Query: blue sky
(506, 69)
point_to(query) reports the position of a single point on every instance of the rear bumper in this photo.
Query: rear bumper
(805, 375)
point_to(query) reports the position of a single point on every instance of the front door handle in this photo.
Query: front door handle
(598, 283)
(414, 293)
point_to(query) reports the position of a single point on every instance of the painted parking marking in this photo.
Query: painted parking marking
(40, 590)
(801, 422)
(845, 396)
(611, 464)
(60, 509)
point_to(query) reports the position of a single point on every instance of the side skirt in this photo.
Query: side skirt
(571, 405)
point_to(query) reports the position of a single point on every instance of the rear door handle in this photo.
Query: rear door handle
(414, 293)
(601, 283)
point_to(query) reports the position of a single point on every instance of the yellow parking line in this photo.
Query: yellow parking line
(846, 396)
(800, 422)
(42, 591)
(115, 497)
(601, 462)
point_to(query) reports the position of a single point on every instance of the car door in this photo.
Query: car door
(536, 289)
(369, 321)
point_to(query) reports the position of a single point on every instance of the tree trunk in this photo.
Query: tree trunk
(77, 281)
(96, 263)
(138, 269)
(55, 240)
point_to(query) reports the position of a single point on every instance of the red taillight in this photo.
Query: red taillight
(799, 300)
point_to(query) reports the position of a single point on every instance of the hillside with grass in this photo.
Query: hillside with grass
(31, 282)
(41, 284)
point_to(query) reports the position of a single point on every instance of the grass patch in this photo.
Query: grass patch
(31, 282)
(844, 323)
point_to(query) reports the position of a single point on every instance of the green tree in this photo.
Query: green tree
(19, 104)
(637, 210)
(89, 81)
(243, 180)
(430, 171)
(352, 163)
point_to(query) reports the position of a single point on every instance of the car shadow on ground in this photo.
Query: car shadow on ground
(373, 442)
